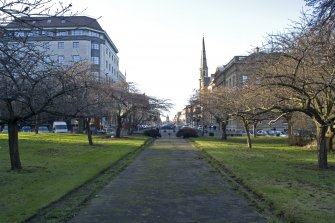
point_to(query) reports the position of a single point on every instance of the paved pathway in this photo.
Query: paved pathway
(168, 182)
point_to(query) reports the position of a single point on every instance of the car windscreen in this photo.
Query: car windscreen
(60, 127)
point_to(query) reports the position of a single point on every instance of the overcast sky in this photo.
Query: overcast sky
(159, 41)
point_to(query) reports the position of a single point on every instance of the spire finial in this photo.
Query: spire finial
(203, 66)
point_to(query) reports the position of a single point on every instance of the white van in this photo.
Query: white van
(59, 127)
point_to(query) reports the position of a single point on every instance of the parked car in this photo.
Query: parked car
(244, 133)
(101, 131)
(187, 133)
(5, 129)
(274, 133)
(168, 127)
(185, 126)
(262, 133)
(43, 129)
(283, 134)
(59, 127)
(110, 131)
(26, 129)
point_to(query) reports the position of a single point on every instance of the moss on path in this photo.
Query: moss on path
(168, 182)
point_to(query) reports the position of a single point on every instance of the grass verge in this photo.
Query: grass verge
(285, 178)
(55, 165)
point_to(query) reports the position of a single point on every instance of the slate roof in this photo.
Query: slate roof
(55, 22)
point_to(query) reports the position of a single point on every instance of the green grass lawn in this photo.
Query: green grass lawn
(53, 165)
(285, 176)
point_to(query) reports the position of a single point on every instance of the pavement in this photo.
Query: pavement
(168, 182)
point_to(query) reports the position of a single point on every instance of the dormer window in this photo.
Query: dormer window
(19, 34)
(49, 21)
(63, 21)
(62, 33)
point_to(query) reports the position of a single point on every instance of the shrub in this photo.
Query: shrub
(152, 133)
(297, 140)
(187, 133)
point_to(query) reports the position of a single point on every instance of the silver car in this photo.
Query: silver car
(5, 129)
(43, 129)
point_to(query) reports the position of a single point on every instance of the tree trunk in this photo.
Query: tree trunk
(118, 127)
(322, 146)
(130, 131)
(89, 132)
(81, 125)
(329, 137)
(289, 126)
(130, 125)
(36, 125)
(224, 130)
(13, 142)
(246, 129)
(331, 140)
(254, 126)
(329, 143)
(249, 140)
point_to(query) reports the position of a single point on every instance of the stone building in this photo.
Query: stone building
(69, 39)
(231, 75)
(235, 75)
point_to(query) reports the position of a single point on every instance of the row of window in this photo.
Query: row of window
(76, 32)
(108, 52)
(61, 59)
(61, 45)
(75, 45)
(95, 46)
(232, 82)
(95, 60)
(110, 68)
(75, 58)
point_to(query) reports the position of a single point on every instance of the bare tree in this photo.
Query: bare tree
(28, 90)
(150, 111)
(125, 100)
(324, 10)
(217, 104)
(141, 117)
(28, 84)
(86, 103)
(299, 70)
(194, 109)
(249, 105)
(15, 9)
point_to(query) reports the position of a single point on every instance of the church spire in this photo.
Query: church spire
(203, 66)
(203, 57)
